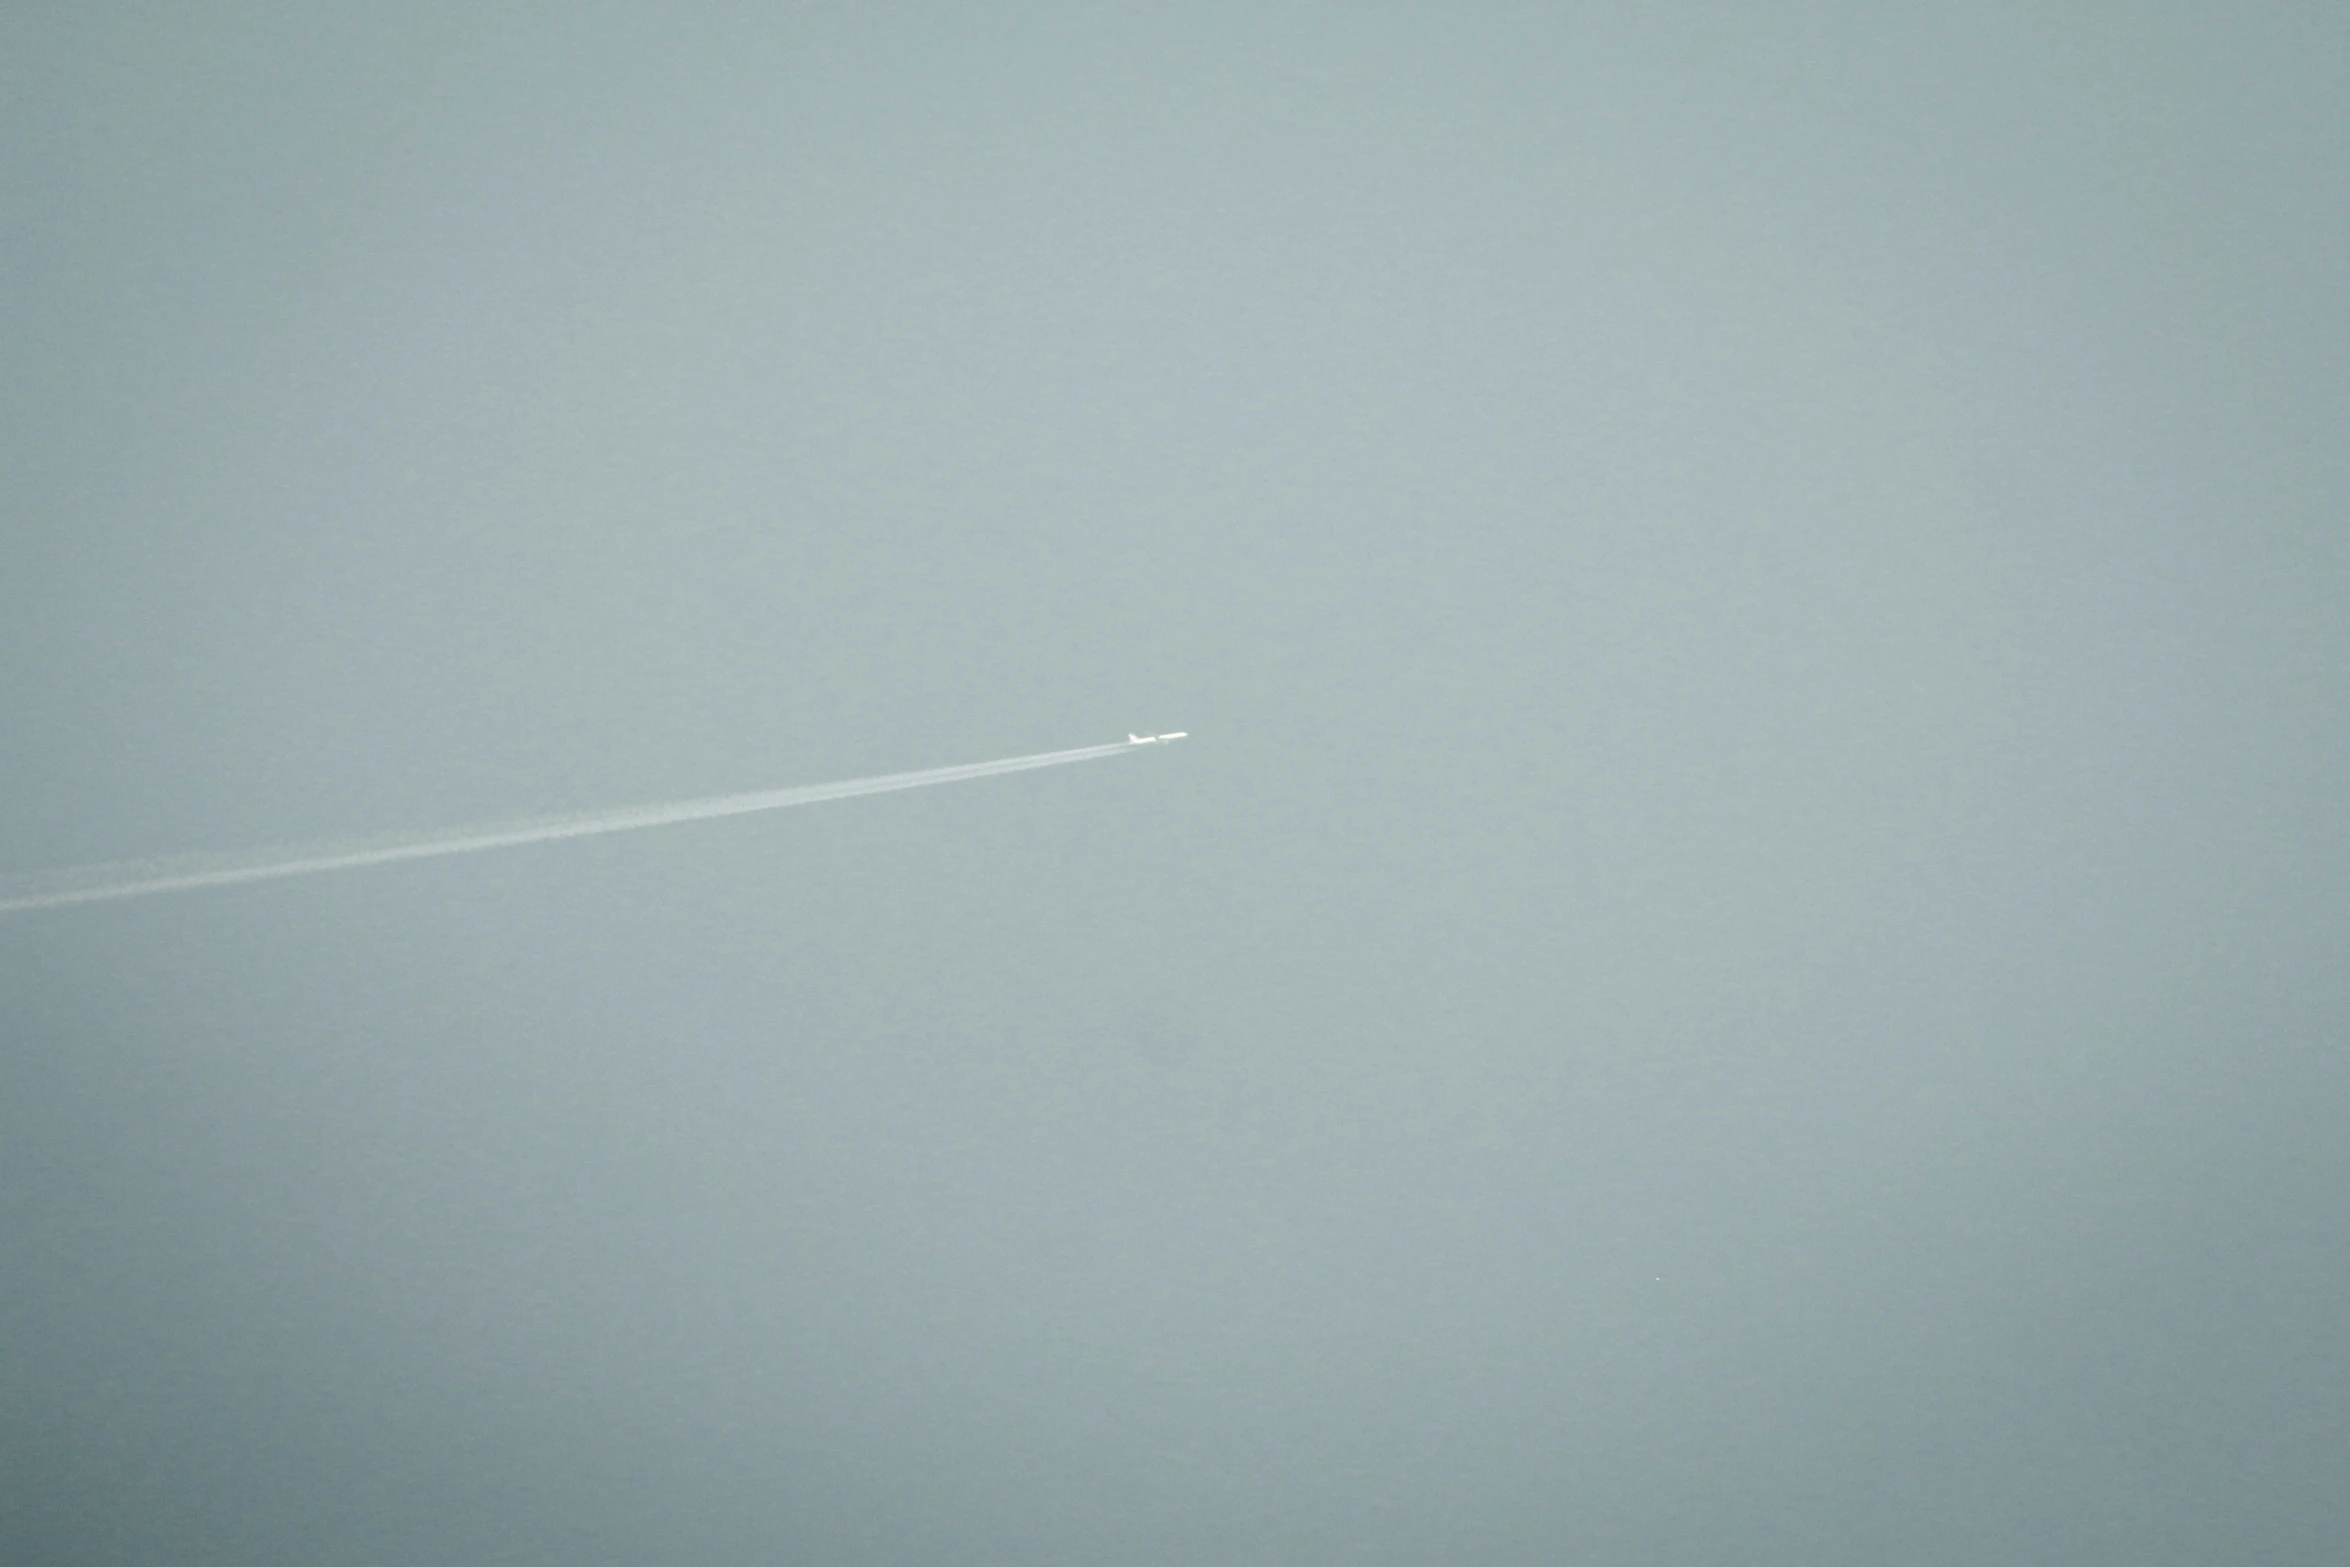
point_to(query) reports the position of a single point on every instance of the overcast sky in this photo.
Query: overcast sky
(1745, 964)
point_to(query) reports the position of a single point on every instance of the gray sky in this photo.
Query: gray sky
(1744, 965)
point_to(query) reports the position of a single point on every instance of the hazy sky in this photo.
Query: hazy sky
(1745, 964)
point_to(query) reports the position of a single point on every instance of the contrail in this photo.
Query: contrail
(137, 878)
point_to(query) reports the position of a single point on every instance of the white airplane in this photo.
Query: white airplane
(1135, 739)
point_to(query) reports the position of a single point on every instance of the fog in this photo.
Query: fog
(1744, 963)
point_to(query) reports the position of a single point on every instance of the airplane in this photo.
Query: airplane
(1135, 739)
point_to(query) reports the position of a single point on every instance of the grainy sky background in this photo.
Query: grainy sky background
(1746, 965)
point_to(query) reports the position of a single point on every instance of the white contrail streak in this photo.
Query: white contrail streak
(90, 884)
